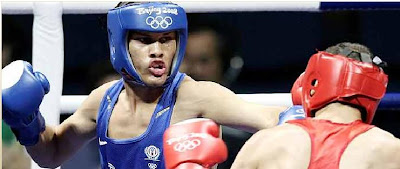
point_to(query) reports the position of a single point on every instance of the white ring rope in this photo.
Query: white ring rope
(69, 103)
(48, 56)
(190, 7)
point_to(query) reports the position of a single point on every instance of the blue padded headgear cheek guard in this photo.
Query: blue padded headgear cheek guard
(149, 17)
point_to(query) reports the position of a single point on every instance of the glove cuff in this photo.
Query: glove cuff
(189, 165)
(291, 113)
(28, 134)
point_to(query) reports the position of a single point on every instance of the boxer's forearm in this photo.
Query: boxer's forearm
(258, 117)
(271, 115)
(57, 144)
(44, 153)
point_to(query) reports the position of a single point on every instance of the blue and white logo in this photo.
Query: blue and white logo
(159, 21)
(152, 153)
(110, 166)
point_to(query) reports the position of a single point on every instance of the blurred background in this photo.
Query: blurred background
(248, 52)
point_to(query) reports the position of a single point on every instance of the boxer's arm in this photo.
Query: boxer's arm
(225, 107)
(59, 143)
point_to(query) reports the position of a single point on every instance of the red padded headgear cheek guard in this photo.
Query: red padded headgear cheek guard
(296, 90)
(329, 78)
(317, 82)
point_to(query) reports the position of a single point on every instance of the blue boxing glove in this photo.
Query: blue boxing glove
(22, 93)
(291, 113)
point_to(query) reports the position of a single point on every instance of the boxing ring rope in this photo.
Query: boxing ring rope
(48, 42)
(190, 7)
(391, 101)
(200, 7)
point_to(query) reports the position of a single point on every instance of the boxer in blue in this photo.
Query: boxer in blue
(129, 116)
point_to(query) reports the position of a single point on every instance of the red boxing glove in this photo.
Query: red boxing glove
(193, 144)
(297, 90)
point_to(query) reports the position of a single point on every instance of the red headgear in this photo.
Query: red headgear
(297, 90)
(329, 78)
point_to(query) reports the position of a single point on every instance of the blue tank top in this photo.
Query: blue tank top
(144, 151)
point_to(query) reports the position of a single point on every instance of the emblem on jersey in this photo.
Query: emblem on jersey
(110, 166)
(152, 165)
(102, 143)
(109, 102)
(152, 153)
(162, 112)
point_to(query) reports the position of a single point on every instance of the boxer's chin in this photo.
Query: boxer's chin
(155, 81)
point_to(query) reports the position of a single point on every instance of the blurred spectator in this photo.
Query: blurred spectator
(99, 73)
(211, 52)
(15, 44)
(212, 55)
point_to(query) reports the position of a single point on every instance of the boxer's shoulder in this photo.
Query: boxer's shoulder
(103, 88)
(92, 102)
(286, 135)
(382, 140)
(376, 147)
(97, 94)
(378, 133)
(282, 144)
(378, 136)
(191, 89)
(189, 96)
(189, 84)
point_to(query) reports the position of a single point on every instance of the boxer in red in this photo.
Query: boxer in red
(340, 91)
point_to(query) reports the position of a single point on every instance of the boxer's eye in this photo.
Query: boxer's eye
(144, 40)
(165, 39)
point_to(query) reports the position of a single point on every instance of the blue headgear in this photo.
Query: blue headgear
(149, 17)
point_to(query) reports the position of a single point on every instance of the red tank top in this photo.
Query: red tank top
(329, 140)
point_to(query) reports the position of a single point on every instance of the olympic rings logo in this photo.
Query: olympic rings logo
(152, 165)
(159, 21)
(187, 145)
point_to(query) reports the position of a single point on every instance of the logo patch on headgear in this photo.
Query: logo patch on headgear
(157, 11)
(159, 21)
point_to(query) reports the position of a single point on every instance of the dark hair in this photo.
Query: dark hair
(356, 51)
(126, 3)
(351, 50)
(123, 3)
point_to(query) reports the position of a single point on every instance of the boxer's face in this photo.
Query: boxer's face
(152, 55)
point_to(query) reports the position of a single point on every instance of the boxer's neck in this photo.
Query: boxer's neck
(338, 113)
(143, 93)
